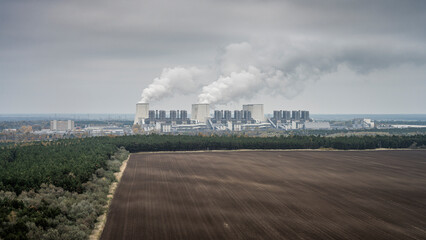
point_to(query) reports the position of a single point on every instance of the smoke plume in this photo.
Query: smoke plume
(229, 88)
(172, 81)
(244, 70)
(286, 68)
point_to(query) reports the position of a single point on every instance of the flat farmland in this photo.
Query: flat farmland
(271, 195)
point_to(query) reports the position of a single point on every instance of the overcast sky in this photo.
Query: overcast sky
(331, 56)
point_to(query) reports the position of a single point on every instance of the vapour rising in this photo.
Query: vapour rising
(244, 70)
(172, 81)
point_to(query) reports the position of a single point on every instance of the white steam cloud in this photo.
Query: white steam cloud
(284, 69)
(229, 88)
(172, 81)
(246, 71)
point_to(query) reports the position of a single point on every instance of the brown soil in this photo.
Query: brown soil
(271, 195)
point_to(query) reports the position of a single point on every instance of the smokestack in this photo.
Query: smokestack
(142, 110)
(200, 112)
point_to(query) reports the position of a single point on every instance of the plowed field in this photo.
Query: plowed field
(271, 195)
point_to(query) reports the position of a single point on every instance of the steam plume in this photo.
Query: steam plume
(172, 81)
(229, 88)
(285, 68)
(246, 71)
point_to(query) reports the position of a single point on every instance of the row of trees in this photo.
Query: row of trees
(391, 131)
(188, 143)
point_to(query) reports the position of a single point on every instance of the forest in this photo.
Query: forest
(69, 163)
(72, 194)
(57, 189)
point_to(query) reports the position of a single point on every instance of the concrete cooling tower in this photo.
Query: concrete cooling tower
(256, 111)
(200, 112)
(142, 110)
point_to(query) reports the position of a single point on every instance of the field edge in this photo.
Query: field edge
(101, 221)
(288, 150)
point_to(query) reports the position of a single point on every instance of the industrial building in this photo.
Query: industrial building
(95, 131)
(317, 125)
(224, 120)
(141, 112)
(250, 118)
(174, 117)
(200, 119)
(361, 123)
(56, 125)
(224, 116)
(304, 115)
(256, 111)
(282, 115)
(286, 120)
(200, 112)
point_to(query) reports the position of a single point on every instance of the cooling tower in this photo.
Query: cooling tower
(200, 112)
(256, 111)
(142, 110)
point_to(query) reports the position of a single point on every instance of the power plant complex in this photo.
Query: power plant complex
(250, 117)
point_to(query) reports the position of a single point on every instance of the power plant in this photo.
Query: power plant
(174, 117)
(141, 113)
(256, 111)
(56, 125)
(250, 117)
(200, 112)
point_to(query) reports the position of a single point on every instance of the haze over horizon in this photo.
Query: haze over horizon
(328, 57)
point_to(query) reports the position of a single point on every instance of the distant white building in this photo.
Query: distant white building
(106, 130)
(236, 127)
(361, 123)
(56, 125)
(289, 125)
(317, 125)
(166, 128)
(9, 130)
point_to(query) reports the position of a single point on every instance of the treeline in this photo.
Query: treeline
(70, 163)
(50, 212)
(390, 131)
(190, 143)
(419, 122)
(66, 164)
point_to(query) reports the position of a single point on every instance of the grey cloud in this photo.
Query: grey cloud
(49, 39)
(285, 69)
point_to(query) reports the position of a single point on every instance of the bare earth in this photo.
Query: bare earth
(271, 195)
